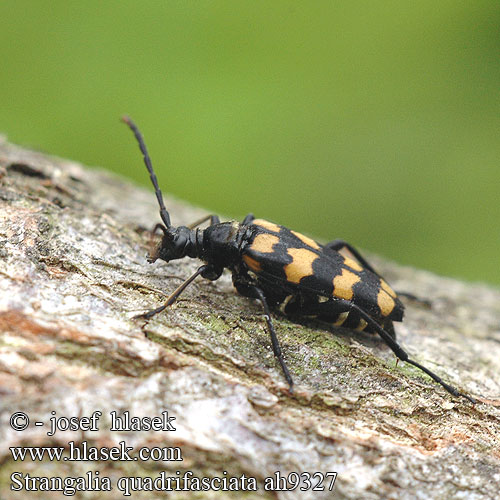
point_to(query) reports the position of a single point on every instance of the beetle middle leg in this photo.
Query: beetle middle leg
(339, 245)
(255, 292)
(248, 219)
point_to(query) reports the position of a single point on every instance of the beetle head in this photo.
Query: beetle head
(176, 243)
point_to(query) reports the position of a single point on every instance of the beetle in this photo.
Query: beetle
(284, 269)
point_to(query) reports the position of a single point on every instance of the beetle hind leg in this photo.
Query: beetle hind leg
(389, 328)
(402, 354)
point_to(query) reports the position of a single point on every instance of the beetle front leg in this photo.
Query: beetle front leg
(255, 292)
(214, 219)
(151, 254)
(175, 294)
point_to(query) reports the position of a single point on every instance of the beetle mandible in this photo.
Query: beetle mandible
(284, 269)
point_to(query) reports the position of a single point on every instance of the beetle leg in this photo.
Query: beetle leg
(214, 219)
(248, 219)
(338, 245)
(410, 296)
(274, 337)
(255, 292)
(152, 246)
(154, 231)
(173, 297)
(402, 354)
(388, 326)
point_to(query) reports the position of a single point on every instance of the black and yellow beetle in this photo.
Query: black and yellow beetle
(287, 270)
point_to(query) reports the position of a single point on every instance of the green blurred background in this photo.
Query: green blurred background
(376, 122)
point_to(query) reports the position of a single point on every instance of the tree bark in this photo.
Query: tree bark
(73, 273)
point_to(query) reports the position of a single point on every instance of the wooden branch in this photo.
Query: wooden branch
(73, 272)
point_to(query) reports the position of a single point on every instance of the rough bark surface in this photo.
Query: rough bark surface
(73, 272)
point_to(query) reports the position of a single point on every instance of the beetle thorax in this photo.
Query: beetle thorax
(222, 242)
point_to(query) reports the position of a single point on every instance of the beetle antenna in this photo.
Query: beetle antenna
(165, 217)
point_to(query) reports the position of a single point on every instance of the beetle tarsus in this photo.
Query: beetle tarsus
(439, 380)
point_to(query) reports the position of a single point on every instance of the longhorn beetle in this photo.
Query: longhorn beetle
(284, 269)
